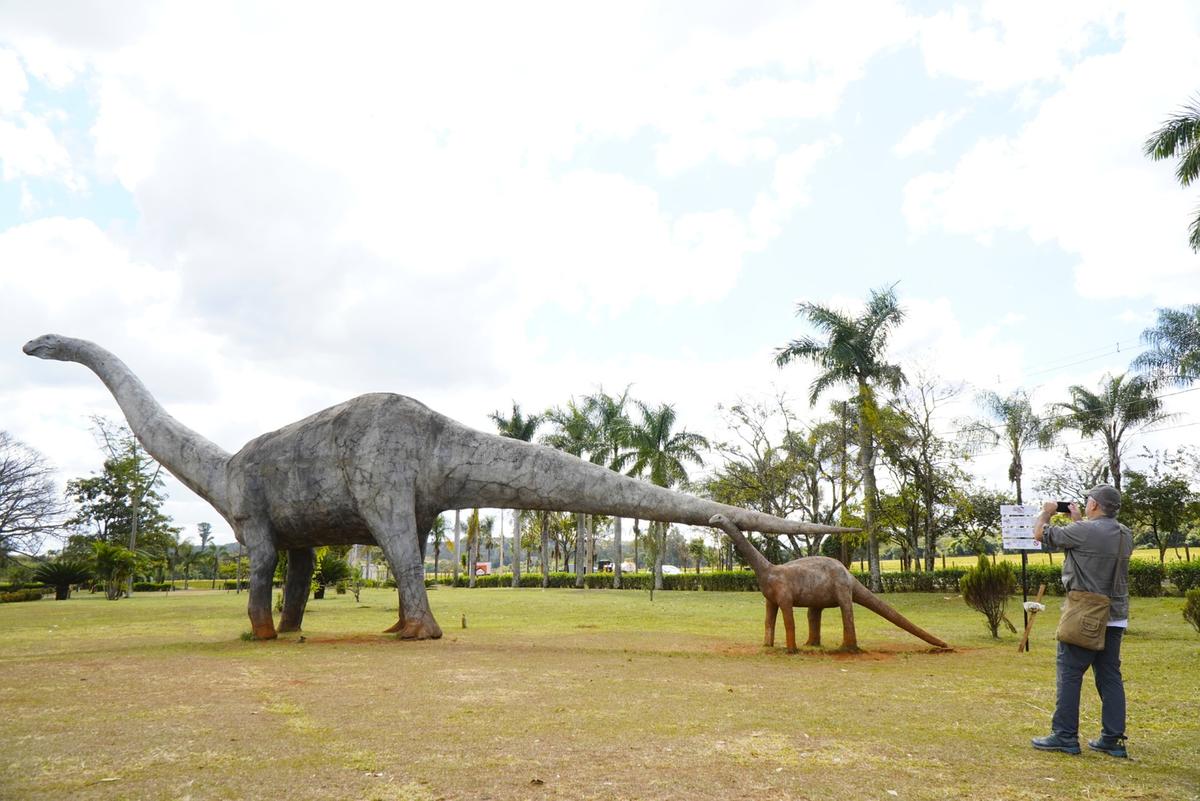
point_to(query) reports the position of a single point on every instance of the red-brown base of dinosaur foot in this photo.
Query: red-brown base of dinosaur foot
(421, 629)
(265, 632)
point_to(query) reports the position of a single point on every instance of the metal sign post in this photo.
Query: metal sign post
(1016, 534)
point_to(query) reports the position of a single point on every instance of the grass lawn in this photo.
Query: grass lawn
(565, 694)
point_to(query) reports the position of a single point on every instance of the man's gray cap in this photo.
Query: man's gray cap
(1108, 496)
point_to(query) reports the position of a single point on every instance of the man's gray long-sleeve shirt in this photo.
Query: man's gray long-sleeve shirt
(1093, 548)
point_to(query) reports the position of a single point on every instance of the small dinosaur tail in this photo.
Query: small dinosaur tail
(864, 597)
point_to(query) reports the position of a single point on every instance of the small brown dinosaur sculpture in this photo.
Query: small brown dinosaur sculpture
(816, 582)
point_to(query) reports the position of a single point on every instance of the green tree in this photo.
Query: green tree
(697, 550)
(516, 426)
(1174, 353)
(610, 426)
(986, 589)
(438, 535)
(1014, 423)
(853, 353)
(659, 453)
(1156, 502)
(574, 433)
(1180, 136)
(115, 565)
(330, 569)
(1122, 406)
(61, 574)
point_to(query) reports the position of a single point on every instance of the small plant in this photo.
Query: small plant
(986, 588)
(279, 602)
(1191, 608)
(61, 574)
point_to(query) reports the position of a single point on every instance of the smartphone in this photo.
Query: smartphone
(1064, 507)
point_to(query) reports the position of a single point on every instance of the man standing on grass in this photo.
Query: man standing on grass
(1097, 560)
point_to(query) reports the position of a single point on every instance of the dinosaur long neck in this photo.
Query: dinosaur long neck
(194, 460)
(758, 563)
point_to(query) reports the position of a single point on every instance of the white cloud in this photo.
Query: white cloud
(922, 136)
(1087, 188)
(13, 84)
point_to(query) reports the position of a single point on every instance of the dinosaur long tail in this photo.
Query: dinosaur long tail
(864, 597)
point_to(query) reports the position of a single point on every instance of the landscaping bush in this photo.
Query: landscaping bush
(1191, 608)
(1050, 575)
(1184, 575)
(986, 588)
(152, 586)
(20, 595)
(1146, 578)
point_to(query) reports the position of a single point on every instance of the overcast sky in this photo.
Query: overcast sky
(265, 209)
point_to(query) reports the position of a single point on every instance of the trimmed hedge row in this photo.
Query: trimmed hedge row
(20, 595)
(152, 586)
(1145, 579)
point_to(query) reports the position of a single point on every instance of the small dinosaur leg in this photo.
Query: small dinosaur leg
(849, 637)
(769, 632)
(296, 588)
(814, 625)
(789, 625)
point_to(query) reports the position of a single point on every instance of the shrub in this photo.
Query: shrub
(1184, 575)
(20, 595)
(152, 586)
(986, 588)
(1146, 578)
(1050, 575)
(1191, 608)
(61, 574)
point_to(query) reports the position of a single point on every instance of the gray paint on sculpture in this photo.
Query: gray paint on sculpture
(377, 469)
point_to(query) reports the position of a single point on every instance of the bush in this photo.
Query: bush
(151, 586)
(20, 595)
(1184, 575)
(986, 588)
(1050, 575)
(1146, 578)
(1191, 608)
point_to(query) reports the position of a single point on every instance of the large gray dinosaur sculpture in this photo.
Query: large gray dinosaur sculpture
(816, 582)
(375, 469)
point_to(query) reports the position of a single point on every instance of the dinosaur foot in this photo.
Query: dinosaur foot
(422, 628)
(848, 648)
(793, 650)
(392, 629)
(288, 625)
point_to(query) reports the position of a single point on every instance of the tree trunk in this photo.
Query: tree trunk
(636, 533)
(516, 549)
(500, 562)
(437, 551)
(617, 557)
(545, 549)
(579, 544)
(457, 550)
(658, 531)
(866, 459)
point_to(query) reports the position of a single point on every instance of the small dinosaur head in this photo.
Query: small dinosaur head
(48, 346)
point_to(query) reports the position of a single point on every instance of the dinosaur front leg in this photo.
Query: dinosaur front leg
(263, 558)
(789, 625)
(814, 626)
(296, 588)
(772, 616)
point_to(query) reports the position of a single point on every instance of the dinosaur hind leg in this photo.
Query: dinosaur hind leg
(849, 637)
(396, 533)
(424, 524)
(296, 587)
(814, 626)
(789, 625)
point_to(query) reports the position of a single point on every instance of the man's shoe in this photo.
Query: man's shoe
(1114, 746)
(1055, 743)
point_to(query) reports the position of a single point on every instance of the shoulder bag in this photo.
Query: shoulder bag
(1085, 615)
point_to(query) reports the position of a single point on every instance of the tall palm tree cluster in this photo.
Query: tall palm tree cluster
(623, 434)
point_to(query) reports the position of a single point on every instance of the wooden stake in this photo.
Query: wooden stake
(1032, 615)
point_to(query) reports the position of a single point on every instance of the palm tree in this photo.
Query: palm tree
(1174, 355)
(185, 557)
(659, 453)
(1121, 404)
(1017, 425)
(516, 426)
(61, 574)
(575, 435)
(853, 354)
(611, 428)
(1180, 136)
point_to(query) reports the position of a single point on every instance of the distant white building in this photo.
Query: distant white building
(371, 565)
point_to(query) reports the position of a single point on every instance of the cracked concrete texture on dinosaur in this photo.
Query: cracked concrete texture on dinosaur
(377, 469)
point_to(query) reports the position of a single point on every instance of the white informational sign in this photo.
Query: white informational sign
(1016, 527)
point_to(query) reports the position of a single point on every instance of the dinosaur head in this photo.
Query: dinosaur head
(49, 346)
